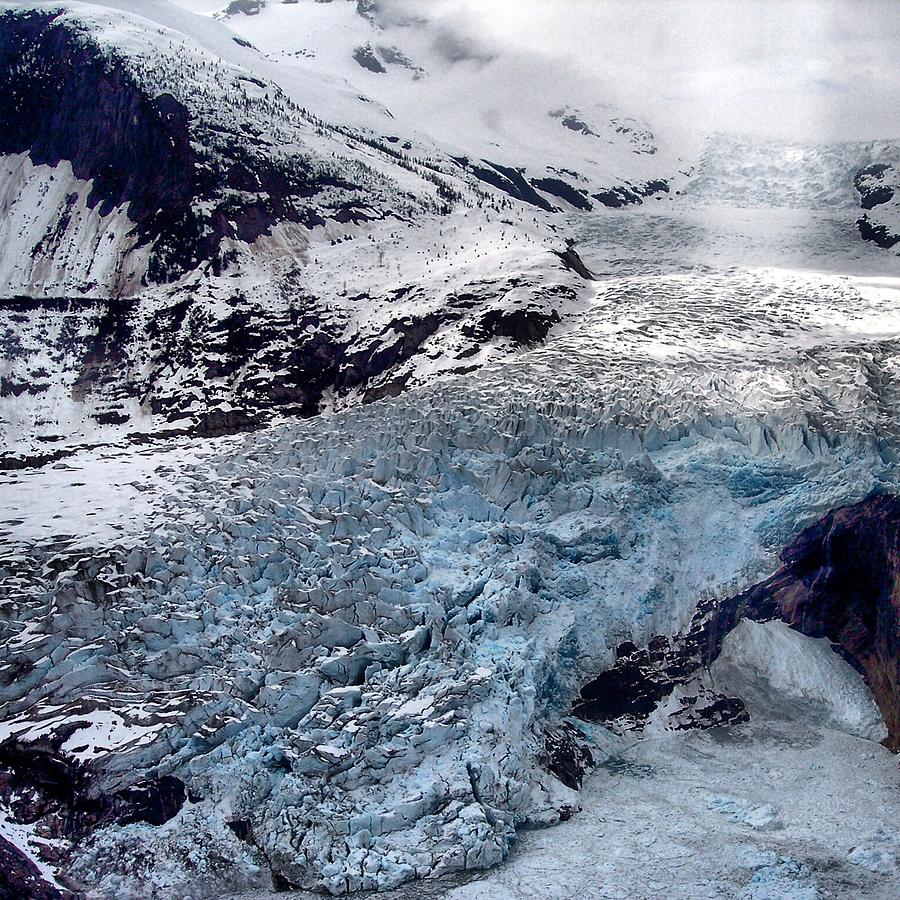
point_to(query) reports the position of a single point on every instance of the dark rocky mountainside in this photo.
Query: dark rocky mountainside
(878, 186)
(840, 580)
(182, 237)
(193, 171)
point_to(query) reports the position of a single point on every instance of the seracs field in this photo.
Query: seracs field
(402, 496)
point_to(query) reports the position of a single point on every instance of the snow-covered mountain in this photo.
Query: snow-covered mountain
(170, 178)
(405, 448)
(169, 183)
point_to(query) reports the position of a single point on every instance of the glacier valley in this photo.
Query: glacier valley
(468, 534)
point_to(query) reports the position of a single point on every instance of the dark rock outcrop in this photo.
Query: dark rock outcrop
(878, 184)
(624, 696)
(562, 189)
(567, 754)
(368, 9)
(40, 783)
(632, 688)
(870, 183)
(42, 786)
(247, 7)
(706, 709)
(840, 580)
(522, 326)
(366, 57)
(626, 195)
(66, 98)
(61, 99)
(639, 136)
(876, 233)
(572, 261)
(209, 371)
(510, 181)
(21, 879)
(393, 56)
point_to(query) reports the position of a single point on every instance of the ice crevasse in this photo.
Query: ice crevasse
(351, 638)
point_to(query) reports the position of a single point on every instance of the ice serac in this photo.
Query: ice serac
(356, 640)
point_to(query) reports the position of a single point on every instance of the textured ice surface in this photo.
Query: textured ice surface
(653, 823)
(350, 636)
(352, 632)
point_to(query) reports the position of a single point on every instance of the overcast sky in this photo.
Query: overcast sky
(787, 68)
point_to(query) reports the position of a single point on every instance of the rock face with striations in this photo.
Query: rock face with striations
(192, 177)
(841, 580)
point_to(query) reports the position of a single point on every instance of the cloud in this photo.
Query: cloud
(455, 46)
(796, 69)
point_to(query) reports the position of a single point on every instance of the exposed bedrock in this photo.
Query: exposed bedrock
(205, 369)
(572, 261)
(878, 185)
(880, 234)
(874, 184)
(21, 879)
(515, 182)
(840, 580)
(62, 100)
(190, 182)
(40, 782)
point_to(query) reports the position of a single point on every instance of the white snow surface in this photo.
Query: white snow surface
(771, 658)
(434, 90)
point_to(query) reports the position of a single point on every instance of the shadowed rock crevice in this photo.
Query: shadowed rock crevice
(38, 782)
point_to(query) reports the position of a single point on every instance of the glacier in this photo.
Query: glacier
(327, 508)
(352, 637)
